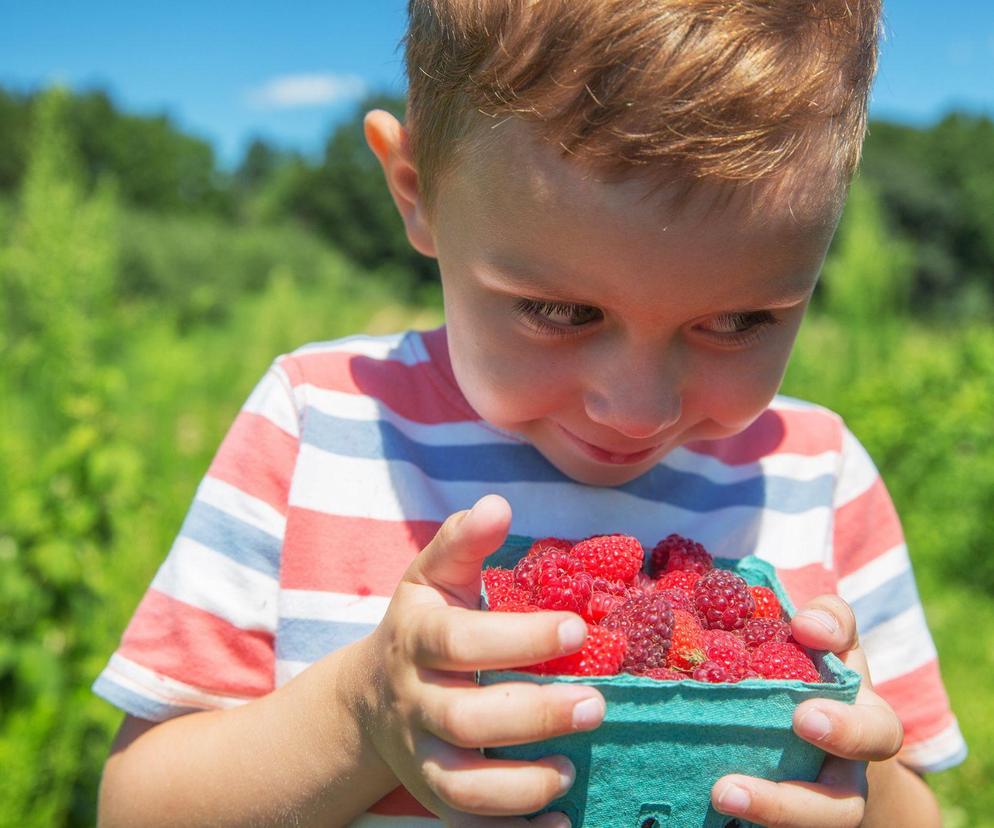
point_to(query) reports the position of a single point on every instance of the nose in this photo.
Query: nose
(637, 396)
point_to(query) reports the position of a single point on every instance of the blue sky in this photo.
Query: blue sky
(289, 70)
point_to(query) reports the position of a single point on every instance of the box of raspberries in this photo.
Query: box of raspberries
(695, 659)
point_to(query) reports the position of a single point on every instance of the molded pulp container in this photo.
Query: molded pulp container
(663, 744)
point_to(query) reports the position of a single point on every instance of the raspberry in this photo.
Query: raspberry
(710, 671)
(760, 630)
(677, 552)
(684, 579)
(544, 544)
(728, 650)
(601, 655)
(611, 587)
(665, 674)
(642, 583)
(555, 580)
(615, 557)
(783, 660)
(723, 601)
(767, 605)
(678, 598)
(685, 651)
(601, 603)
(501, 588)
(647, 621)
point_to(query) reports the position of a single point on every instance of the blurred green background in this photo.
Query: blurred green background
(144, 291)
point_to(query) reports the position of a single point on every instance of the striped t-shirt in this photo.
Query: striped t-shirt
(348, 456)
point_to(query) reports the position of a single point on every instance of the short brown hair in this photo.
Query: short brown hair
(701, 90)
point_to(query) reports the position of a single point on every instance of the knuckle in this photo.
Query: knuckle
(457, 725)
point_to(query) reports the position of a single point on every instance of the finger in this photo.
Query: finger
(868, 730)
(453, 559)
(464, 780)
(454, 638)
(510, 713)
(825, 623)
(839, 803)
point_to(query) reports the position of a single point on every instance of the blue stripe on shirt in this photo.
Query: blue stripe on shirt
(307, 639)
(230, 536)
(887, 601)
(514, 463)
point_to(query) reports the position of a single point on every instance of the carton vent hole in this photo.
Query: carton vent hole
(651, 822)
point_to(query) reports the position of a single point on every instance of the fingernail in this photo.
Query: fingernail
(572, 633)
(815, 725)
(734, 799)
(560, 821)
(822, 618)
(588, 714)
(567, 775)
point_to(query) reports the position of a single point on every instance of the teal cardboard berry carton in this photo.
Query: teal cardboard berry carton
(663, 744)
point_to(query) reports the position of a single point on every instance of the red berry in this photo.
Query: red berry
(767, 605)
(684, 579)
(723, 601)
(678, 598)
(665, 674)
(760, 630)
(642, 583)
(601, 655)
(728, 650)
(611, 587)
(615, 557)
(677, 552)
(501, 588)
(647, 621)
(601, 603)
(710, 671)
(685, 651)
(544, 544)
(554, 580)
(783, 660)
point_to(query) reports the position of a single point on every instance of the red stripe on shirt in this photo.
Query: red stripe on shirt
(197, 648)
(257, 457)
(776, 431)
(366, 557)
(865, 527)
(409, 390)
(807, 582)
(400, 802)
(915, 697)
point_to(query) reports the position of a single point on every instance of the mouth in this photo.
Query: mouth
(602, 455)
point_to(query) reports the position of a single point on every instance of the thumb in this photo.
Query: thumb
(453, 559)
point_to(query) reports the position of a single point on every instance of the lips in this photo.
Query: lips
(603, 455)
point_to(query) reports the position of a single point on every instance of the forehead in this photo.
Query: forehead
(516, 199)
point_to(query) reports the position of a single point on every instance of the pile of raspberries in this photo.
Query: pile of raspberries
(685, 619)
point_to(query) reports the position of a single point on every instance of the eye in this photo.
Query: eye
(556, 318)
(740, 327)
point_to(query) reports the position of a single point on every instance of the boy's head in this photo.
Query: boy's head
(630, 203)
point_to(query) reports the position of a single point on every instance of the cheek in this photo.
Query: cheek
(735, 392)
(505, 382)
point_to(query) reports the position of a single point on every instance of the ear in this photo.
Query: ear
(387, 138)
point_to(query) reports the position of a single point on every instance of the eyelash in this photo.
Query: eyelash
(749, 325)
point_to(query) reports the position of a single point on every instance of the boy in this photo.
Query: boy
(630, 204)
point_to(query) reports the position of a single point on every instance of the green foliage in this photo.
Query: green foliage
(129, 338)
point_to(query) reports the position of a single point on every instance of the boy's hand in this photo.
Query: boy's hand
(868, 730)
(421, 707)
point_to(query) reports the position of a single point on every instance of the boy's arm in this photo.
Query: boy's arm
(899, 796)
(292, 757)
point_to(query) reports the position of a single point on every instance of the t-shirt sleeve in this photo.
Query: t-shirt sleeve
(202, 635)
(876, 579)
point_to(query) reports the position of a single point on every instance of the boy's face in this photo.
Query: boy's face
(606, 328)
